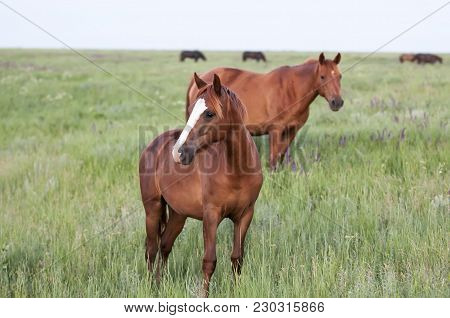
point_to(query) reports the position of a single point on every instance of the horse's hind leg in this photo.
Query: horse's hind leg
(173, 229)
(240, 231)
(153, 212)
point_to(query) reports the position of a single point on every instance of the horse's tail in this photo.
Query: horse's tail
(187, 98)
(163, 219)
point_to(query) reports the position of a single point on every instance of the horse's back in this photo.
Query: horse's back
(233, 78)
(423, 58)
(149, 156)
(229, 74)
(245, 83)
(250, 87)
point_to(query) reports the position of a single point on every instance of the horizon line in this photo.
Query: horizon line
(211, 50)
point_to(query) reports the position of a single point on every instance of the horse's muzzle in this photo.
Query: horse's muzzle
(336, 103)
(187, 154)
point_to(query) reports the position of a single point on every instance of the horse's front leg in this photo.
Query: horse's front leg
(211, 221)
(240, 230)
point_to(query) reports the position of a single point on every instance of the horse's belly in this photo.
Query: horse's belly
(185, 200)
(181, 188)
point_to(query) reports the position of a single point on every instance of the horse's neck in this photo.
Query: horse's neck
(303, 85)
(305, 76)
(238, 151)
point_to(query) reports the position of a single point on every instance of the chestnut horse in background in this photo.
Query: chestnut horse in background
(406, 57)
(278, 102)
(421, 58)
(209, 171)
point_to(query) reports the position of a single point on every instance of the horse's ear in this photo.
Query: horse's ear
(217, 85)
(337, 58)
(321, 58)
(198, 81)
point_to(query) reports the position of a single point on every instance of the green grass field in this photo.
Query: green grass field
(365, 215)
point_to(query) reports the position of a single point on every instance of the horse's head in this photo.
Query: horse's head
(214, 112)
(329, 81)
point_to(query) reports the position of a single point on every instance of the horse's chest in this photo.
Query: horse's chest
(303, 117)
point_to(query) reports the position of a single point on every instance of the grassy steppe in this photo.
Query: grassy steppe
(365, 215)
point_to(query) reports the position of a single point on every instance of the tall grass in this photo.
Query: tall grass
(365, 213)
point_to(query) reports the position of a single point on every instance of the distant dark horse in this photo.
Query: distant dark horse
(196, 55)
(253, 56)
(427, 58)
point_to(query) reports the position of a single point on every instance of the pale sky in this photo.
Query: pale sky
(314, 25)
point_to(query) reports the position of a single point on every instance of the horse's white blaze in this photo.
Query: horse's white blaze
(199, 108)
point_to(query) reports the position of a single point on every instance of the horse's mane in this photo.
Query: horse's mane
(234, 100)
(217, 106)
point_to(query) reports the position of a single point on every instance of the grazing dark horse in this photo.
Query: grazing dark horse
(406, 57)
(209, 171)
(278, 102)
(247, 55)
(422, 58)
(196, 55)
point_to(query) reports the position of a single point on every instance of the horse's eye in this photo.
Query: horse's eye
(209, 114)
(322, 77)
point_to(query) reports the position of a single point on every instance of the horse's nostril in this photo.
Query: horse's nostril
(333, 102)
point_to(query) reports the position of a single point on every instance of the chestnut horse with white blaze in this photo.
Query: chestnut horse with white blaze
(208, 171)
(278, 102)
